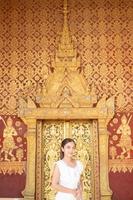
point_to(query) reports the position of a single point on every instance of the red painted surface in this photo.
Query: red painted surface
(12, 185)
(122, 185)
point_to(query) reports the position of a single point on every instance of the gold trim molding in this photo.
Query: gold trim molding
(119, 165)
(15, 167)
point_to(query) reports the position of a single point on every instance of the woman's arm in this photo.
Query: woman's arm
(80, 190)
(81, 186)
(55, 183)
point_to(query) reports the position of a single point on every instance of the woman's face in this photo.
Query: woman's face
(69, 149)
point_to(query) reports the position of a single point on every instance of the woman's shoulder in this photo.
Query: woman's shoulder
(79, 162)
(58, 162)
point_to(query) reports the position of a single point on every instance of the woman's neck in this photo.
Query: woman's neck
(68, 159)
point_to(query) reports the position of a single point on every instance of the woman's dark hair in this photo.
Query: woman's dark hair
(63, 143)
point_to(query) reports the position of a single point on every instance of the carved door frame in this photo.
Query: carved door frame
(102, 113)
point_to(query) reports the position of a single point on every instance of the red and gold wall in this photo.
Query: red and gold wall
(13, 156)
(102, 31)
(121, 155)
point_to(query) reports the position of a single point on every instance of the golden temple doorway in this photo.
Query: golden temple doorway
(66, 105)
(49, 136)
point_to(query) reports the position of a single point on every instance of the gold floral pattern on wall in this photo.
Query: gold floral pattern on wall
(102, 32)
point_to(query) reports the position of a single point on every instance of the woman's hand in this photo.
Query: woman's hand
(74, 193)
(79, 194)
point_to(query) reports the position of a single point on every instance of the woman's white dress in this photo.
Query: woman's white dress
(69, 177)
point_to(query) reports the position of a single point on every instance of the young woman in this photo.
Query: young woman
(66, 178)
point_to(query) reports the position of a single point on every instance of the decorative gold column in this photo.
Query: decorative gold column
(29, 192)
(103, 154)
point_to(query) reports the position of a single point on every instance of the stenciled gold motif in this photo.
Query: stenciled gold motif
(125, 139)
(11, 155)
(121, 145)
(8, 142)
(19, 154)
(13, 167)
(106, 59)
(121, 165)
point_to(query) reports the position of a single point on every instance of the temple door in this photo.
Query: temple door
(49, 136)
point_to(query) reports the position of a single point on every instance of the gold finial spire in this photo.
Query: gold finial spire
(66, 56)
(65, 11)
(65, 32)
(65, 6)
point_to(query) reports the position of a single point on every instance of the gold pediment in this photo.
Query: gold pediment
(66, 85)
(66, 89)
(62, 86)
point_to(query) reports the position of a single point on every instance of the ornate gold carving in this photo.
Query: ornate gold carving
(69, 90)
(49, 136)
(52, 135)
(38, 161)
(102, 112)
(66, 77)
(66, 95)
(85, 133)
(31, 150)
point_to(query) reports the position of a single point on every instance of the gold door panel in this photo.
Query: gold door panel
(49, 137)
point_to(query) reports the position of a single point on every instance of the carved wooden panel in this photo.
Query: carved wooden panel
(49, 136)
